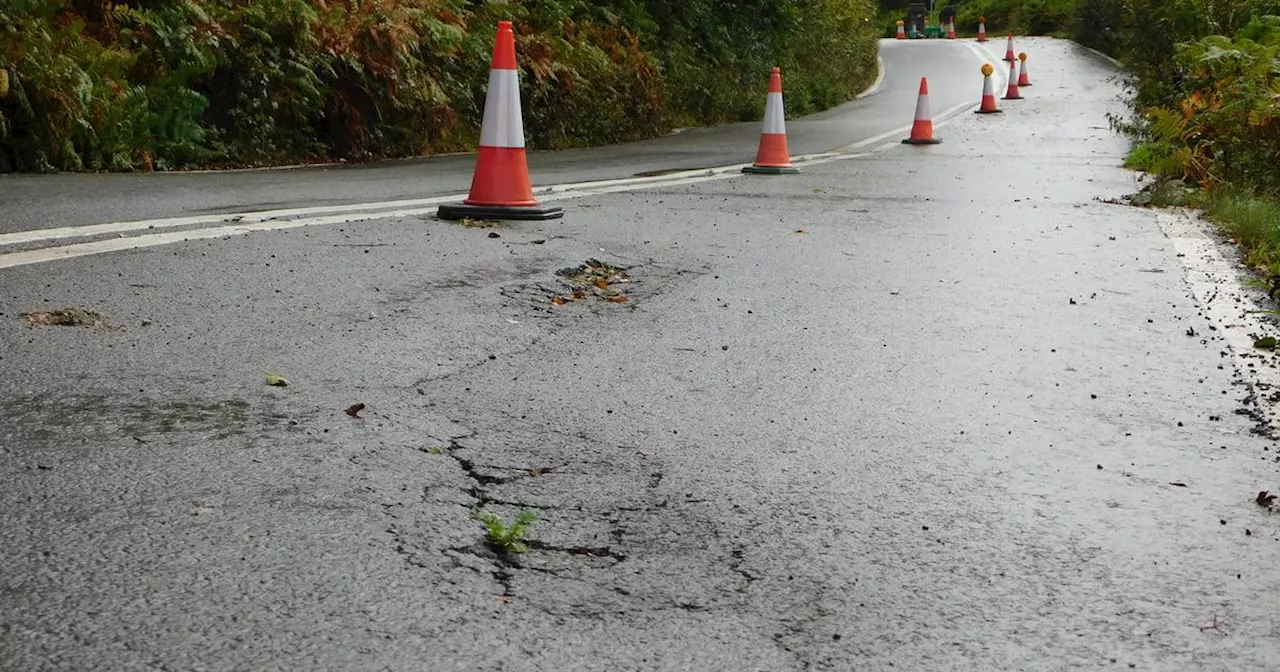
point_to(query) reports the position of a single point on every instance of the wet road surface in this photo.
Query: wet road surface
(925, 408)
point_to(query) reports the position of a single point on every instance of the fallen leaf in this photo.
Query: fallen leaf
(354, 410)
(494, 234)
(616, 299)
(801, 231)
(539, 241)
(273, 379)
(1265, 499)
(1180, 485)
(578, 294)
(559, 301)
(1265, 343)
(602, 284)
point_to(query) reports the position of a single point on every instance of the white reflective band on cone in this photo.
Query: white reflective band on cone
(502, 125)
(922, 108)
(987, 88)
(774, 120)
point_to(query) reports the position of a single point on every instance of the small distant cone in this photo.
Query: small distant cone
(1023, 78)
(1012, 92)
(500, 186)
(951, 29)
(982, 29)
(772, 158)
(922, 129)
(1008, 53)
(902, 31)
(989, 105)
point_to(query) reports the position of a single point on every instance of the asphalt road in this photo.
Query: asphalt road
(915, 408)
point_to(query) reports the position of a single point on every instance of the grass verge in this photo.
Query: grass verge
(1252, 221)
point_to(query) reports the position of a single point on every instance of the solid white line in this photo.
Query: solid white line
(875, 86)
(238, 217)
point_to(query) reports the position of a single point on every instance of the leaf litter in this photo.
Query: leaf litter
(594, 277)
(67, 317)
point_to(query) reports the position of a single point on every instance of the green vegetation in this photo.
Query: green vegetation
(503, 538)
(165, 84)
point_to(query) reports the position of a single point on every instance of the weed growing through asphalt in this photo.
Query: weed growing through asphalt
(505, 538)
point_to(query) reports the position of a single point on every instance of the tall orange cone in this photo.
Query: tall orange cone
(951, 29)
(500, 186)
(989, 105)
(772, 157)
(1008, 52)
(982, 29)
(1023, 78)
(922, 128)
(902, 31)
(1012, 93)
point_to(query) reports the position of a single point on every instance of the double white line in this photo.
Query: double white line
(243, 223)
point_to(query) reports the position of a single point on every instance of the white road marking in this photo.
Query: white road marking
(39, 235)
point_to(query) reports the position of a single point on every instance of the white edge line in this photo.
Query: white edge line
(875, 86)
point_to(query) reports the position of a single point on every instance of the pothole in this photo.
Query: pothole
(67, 317)
(592, 278)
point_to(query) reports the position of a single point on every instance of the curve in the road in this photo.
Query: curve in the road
(67, 201)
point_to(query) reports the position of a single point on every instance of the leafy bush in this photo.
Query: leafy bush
(1224, 124)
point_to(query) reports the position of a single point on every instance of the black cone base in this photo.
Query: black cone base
(464, 211)
(988, 111)
(930, 141)
(770, 170)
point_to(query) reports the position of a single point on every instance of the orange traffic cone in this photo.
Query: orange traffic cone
(922, 129)
(1011, 93)
(989, 105)
(1023, 78)
(951, 29)
(1008, 52)
(902, 31)
(500, 187)
(772, 157)
(982, 29)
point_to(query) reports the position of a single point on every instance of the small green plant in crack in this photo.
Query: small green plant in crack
(505, 538)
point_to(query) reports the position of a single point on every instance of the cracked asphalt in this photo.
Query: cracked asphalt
(921, 408)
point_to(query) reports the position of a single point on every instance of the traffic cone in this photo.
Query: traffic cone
(1008, 53)
(500, 187)
(982, 29)
(772, 157)
(922, 128)
(1023, 79)
(902, 31)
(1012, 92)
(989, 105)
(951, 29)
